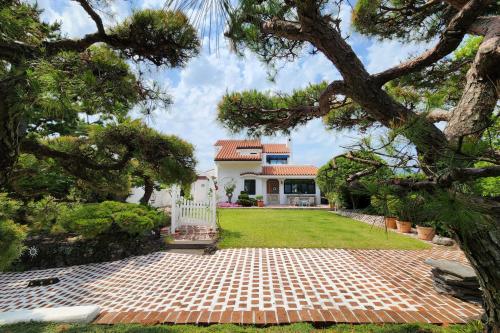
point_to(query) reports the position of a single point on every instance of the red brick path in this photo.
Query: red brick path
(251, 286)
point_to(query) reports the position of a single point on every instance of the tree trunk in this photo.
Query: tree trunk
(481, 245)
(10, 127)
(472, 114)
(428, 139)
(148, 190)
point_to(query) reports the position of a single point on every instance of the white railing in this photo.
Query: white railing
(189, 212)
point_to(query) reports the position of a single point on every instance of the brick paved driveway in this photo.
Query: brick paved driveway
(261, 286)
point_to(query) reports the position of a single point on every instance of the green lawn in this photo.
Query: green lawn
(305, 229)
(474, 327)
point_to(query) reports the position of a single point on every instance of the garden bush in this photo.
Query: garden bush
(385, 205)
(245, 200)
(12, 236)
(138, 220)
(43, 214)
(91, 220)
(9, 208)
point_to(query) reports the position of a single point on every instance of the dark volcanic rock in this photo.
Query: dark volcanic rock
(454, 268)
(453, 278)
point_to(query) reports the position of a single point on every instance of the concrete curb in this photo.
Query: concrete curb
(65, 314)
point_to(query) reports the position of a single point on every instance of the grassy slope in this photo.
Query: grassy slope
(295, 328)
(305, 229)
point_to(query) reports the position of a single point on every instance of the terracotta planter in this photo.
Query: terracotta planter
(426, 233)
(403, 226)
(260, 203)
(390, 222)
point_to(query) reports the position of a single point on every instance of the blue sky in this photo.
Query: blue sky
(197, 88)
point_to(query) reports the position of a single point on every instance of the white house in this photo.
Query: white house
(264, 169)
(163, 197)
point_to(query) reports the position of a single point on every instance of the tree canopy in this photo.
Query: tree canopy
(48, 81)
(67, 139)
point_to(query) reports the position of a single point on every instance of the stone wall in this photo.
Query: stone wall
(376, 220)
(49, 252)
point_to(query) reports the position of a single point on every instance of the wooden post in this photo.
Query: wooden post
(173, 210)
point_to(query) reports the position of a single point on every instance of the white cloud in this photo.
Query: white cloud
(385, 54)
(198, 88)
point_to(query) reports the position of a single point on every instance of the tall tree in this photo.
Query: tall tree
(401, 98)
(47, 80)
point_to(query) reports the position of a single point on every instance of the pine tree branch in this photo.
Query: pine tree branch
(449, 41)
(34, 147)
(437, 115)
(282, 28)
(92, 13)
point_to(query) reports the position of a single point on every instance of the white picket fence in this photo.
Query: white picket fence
(189, 212)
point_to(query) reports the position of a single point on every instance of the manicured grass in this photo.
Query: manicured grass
(287, 228)
(295, 328)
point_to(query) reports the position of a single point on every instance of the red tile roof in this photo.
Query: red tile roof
(228, 150)
(286, 170)
(276, 148)
(240, 143)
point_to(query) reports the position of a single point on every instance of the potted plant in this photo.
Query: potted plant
(402, 224)
(333, 198)
(386, 205)
(229, 189)
(427, 221)
(260, 200)
(426, 230)
(408, 209)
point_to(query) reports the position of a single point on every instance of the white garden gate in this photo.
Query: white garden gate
(191, 213)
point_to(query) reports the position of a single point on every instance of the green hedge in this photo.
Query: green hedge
(91, 220)
(12, 236)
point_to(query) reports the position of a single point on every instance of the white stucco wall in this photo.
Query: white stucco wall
(231, 171)
(160, 198)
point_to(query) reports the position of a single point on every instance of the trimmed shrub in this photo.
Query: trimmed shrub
(43, 214)
(87, 220)
(12, 236)
(245, 200)
(91, 220)
(9, 208)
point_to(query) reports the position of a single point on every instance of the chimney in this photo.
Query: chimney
(289, 146)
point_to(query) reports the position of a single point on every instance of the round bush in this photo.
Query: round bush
(12, 236)
(91, 220)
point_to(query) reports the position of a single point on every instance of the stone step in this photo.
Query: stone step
(190, 244)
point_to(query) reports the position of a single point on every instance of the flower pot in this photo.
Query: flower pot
(390, 222)
(426, 233)
(332, 206)
(403, 226)
(260, 203)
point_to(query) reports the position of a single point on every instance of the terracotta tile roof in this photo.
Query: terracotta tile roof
(286, 170)
(290, 170)
(276, 148)
(228, 150)
(240, 143)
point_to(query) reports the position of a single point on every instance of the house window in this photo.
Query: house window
(249, 186)
(300, 186)
(277, 159)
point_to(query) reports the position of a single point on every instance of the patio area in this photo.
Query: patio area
(251, 286)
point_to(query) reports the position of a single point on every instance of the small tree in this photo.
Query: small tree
(47, 80)
(229, 189)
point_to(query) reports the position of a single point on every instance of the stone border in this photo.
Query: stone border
(376, 220)
(63, 314)
(276, 317)
(379, 221)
